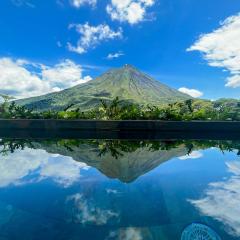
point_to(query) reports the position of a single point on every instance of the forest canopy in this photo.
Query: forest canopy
(117, 109)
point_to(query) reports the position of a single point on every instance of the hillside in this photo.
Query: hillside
(127, 83)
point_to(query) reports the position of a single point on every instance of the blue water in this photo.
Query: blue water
(112, 190)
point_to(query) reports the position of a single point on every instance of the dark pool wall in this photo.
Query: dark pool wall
(121, 125)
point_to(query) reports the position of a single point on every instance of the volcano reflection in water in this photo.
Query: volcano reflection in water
(96, 189)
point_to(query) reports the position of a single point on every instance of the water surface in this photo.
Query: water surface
(112, 190)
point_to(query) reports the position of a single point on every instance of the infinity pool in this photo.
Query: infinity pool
(112, 190)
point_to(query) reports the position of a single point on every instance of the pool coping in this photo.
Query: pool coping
(127, 129)
(119, 125)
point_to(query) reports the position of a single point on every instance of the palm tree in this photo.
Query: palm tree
(6, 99)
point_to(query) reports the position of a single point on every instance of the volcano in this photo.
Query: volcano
(127, 83)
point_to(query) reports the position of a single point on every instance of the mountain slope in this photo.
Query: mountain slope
(127, 167)
(127, 83)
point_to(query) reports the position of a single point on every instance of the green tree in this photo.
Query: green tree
(4, 106)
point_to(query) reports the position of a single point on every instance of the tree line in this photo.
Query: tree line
(117, 109)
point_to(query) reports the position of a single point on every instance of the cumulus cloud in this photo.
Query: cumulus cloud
(131, 11)
(18, 166)
(111, 56)
(80, 3)
(221, 200)
(191, 92)
(192, 155)
(63, 75)
(221, 48)
(21, 78)
(91, 36)
(233, 81)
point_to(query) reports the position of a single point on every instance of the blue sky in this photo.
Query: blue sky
(188, 44)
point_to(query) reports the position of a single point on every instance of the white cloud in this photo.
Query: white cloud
(221, 48)
(111, 56)
(191, 92)
(21, 78)
(131, 11)
(20, 3)
(221, 200)
(59, 44)
(233, 81)
(16, 166)
(80, 3)
(192, 155)
(91, 36)
(65, 74)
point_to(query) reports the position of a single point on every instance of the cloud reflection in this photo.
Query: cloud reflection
(192, 155)
(85, 211)
(222, 200)
(130, 233)
(25, 166)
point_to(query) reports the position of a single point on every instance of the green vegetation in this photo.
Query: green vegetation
(121, 94)
(223, 109)
(117, 148)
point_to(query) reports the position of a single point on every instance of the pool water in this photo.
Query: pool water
(112, 189)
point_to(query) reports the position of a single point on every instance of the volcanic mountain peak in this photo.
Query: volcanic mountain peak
(127, 82)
